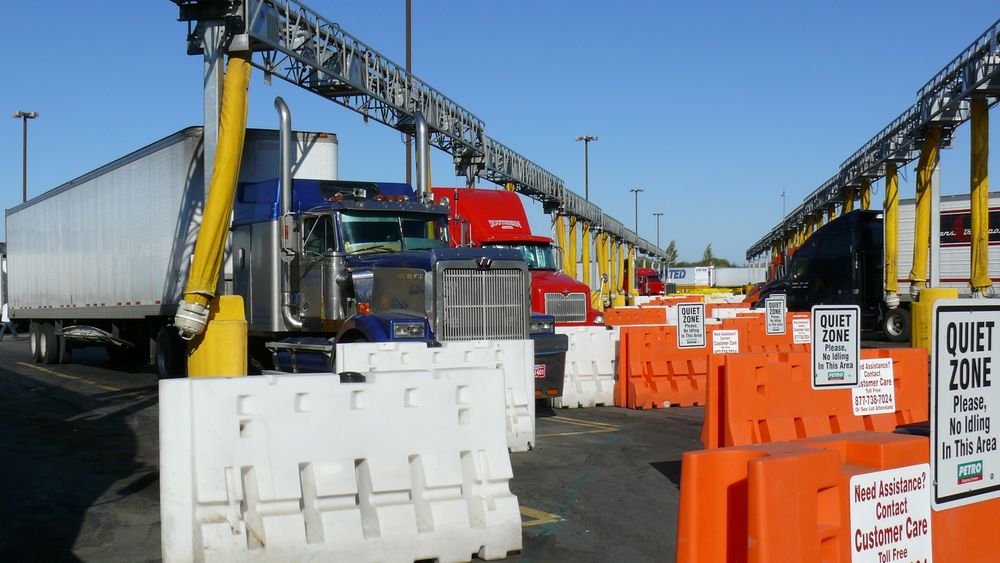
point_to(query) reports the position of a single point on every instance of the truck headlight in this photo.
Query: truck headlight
(599, 319)
(542, 326)
(408, 329)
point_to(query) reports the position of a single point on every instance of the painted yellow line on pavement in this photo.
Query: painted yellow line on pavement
(69, 377)
(537, 517)
(594, 427)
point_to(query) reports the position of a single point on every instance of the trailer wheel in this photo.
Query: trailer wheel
(171, 356)
(33, 340)
(896, 325)
(49, 348)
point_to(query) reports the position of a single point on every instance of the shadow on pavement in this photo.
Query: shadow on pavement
(670, 469)
(61, 451)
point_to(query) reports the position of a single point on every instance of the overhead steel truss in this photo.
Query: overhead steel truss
(942, 101)
(291, 41)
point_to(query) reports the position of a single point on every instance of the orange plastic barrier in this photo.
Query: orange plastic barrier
(754, 330)
(790, 502)
(622, 316)
(760, 398)
(653, 371)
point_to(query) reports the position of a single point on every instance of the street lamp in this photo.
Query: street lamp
(658, 215)
(24, 116)
(586, 163)
(636, 192)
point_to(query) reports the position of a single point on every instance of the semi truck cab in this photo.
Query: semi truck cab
(649, 282)
(841, 264)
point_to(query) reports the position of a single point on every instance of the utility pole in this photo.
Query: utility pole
(24, 116)
(782, 203)
(409, 138)
(636, 192)
(586, 163)
(657, 215)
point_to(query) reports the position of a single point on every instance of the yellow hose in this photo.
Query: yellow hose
(866, 193)
(922, 225)
(979, 177)
(585, 259)
(203, 279)
(572, 247)
(891, 229)
(561, 241)
(848, 199)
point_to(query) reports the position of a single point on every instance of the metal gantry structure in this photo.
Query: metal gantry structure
(291, 41)
(943, 101)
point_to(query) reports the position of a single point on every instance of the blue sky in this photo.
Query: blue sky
(712, 107)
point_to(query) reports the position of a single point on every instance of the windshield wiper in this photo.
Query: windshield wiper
(375, 248)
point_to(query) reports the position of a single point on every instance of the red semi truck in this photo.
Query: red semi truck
(496, 218)
(648, 282)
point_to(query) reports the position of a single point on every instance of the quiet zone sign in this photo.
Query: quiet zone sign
(775, 308)
(965, 463)
(691, 325)
(836, 346)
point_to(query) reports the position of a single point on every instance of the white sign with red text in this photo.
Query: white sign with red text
(891, 516)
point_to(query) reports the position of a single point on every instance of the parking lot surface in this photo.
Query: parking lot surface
(80, 479)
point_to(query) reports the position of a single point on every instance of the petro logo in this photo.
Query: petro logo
(970, 472)
(837, 376)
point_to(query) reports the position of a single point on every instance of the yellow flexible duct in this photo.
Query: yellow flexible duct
(573, 235)
(891, 229)
(922, 225)
(203, 278)
(561, 241)
(597, 298)
(979, 177)
(831, 213)
(585, 239)
(630, 285)
(848, 199)
(866, 193)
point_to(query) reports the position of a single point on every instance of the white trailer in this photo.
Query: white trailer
(956, 249)
(104, 257)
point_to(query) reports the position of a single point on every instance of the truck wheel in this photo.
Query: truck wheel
(171, 356)
(34, 338)
(49, 348)
(896, 325)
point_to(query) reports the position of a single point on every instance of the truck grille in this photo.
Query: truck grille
(483, 304)
(570, 308)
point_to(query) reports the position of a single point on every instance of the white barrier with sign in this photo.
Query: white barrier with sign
(590, 367)
(891, 516)
(514, 357)
(965, 460)
(406, 466)
(836, 346)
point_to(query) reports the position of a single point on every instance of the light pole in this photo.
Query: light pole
(586, 163)
(658, 215)
(409, 59)
(636, 192)
(24, 116)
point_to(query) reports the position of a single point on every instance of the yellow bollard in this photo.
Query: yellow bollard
(221, 351)
(921, 314)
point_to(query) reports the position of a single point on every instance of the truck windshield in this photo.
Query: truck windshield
(392, 232)
(538, 256)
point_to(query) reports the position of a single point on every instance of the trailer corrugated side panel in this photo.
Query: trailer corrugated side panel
(955, 260)
(117, 242)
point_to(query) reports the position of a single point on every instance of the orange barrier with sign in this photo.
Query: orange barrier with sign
(790, 502)
(760, 398)
(622, 316)
(653, 372)
(754, 327)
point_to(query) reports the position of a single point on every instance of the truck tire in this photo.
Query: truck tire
(49, 348)
(896, 325)
(34, 341)
(171, 356)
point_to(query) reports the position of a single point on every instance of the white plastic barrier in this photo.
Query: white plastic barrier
(515, 358)
(406, 466)
(732, 313)
(590, 367)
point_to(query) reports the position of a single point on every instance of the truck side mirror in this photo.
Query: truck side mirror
(290, 235)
